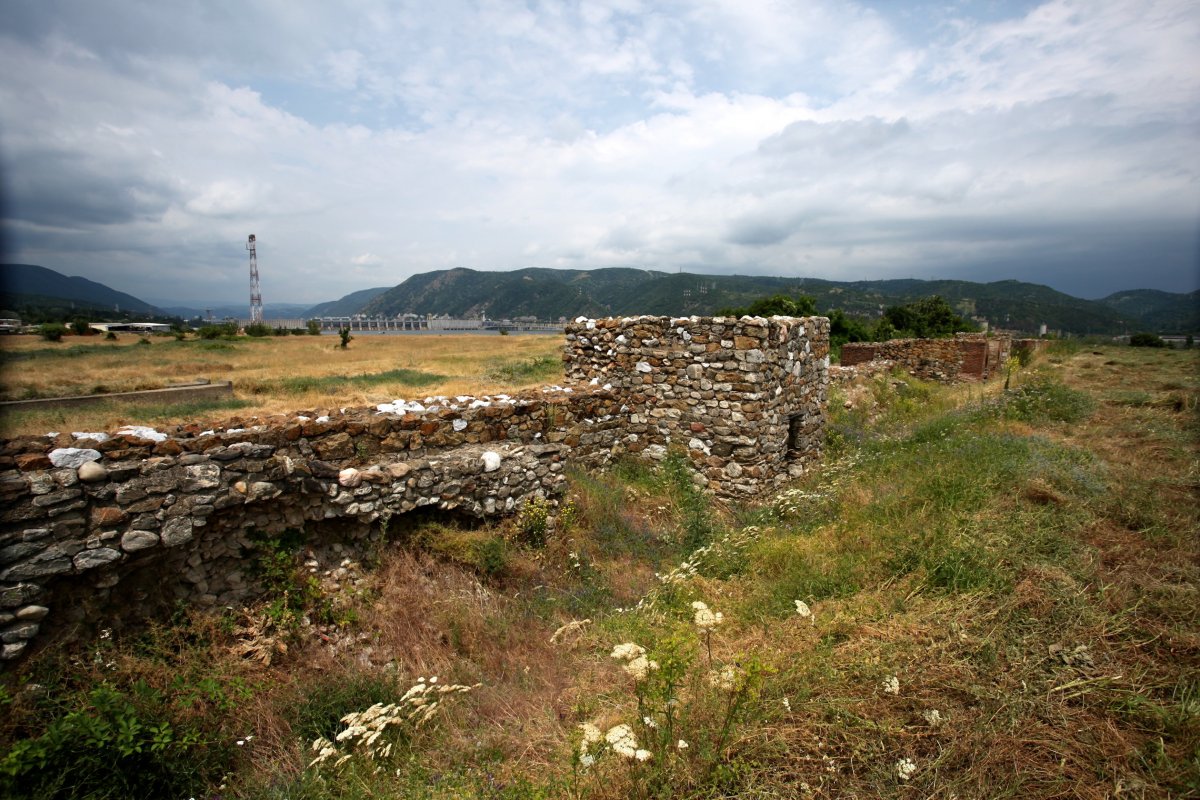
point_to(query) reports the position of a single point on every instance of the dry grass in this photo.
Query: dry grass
(1066, 666)
(267, 372)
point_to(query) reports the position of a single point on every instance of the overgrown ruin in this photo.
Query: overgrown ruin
(96, 523)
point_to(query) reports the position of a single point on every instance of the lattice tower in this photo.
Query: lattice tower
(256, 312)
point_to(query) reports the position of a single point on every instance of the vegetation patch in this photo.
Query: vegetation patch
(976, 595)
(331, 384)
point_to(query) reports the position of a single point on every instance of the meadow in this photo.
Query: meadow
(980, 594)
(269, 374)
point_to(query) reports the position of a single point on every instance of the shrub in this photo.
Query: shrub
(259, 329)
(218, 331)
(52, 331)
(1146, 340)
(113, 745)
(80, 327)
(110, 337)
(344, 333)
(313, 327)
(1043, 400)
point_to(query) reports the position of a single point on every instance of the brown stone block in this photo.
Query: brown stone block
(28, 462)
(108, 515)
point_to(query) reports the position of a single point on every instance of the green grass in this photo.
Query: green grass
(1016, 563)
(527, 370)
(331, 384)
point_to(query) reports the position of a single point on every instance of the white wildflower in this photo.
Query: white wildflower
(803, 610)
(787, 704)
(933, 717)
(640, 667)
(705, 618)
(586, 760)
(725, 679)
(591, 734)
(891, 685)
(905, 768)
(622, 741)
(643, 755)
(628, 651)
(649, 722)
(681, 745)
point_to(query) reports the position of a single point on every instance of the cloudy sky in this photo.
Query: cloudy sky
(363, 142)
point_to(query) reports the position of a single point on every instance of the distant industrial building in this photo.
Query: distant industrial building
(130, 327)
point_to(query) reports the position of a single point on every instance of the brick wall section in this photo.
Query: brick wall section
(96, 526)
(855, 353)
(745, 397)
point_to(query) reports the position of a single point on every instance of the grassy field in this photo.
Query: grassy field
(980, 595)
(269, 374)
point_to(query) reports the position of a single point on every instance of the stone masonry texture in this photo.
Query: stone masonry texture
(96, 526)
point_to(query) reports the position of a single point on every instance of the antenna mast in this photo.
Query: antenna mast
(256, 314)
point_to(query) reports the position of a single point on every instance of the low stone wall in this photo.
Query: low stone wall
(1027, 348)
(968, 356)
(91, 522)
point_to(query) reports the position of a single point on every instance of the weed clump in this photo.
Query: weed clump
(1044, 400)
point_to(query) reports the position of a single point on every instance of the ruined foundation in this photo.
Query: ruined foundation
(96, 526)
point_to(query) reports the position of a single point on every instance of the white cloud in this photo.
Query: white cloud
(814, 138)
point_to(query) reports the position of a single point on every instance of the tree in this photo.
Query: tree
(1146, 340)
(927, 318)
(777, 305)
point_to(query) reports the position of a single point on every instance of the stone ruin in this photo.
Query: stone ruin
(968, 356)
(106, 526)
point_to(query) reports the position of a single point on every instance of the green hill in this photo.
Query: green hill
(1162, 312)
(37, 292)
(345, 306)
(550, 294)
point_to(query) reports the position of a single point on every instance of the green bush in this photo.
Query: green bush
(80, 327)
(113, 746)
(259, 329)
(344, 334)
(52, 331)
(1146, 340)
(1044, 400)
(218, 331)
(313, 327)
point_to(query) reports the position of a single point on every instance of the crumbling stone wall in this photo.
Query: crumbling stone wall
(746, 397)
(92, 521)
(968, 356)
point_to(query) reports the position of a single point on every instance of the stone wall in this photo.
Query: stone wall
(746, 397)
(968, 356)
(94, 521)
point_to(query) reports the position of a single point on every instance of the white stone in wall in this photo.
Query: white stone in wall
(143, 432)
(96, 437)
(491, 461)
(644, 366)
(459, 424)
(349, 477)
(73, 457)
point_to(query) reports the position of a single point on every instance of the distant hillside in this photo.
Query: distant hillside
(37, 291)
(350, 304)
(550, 294)
(1162, 312)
